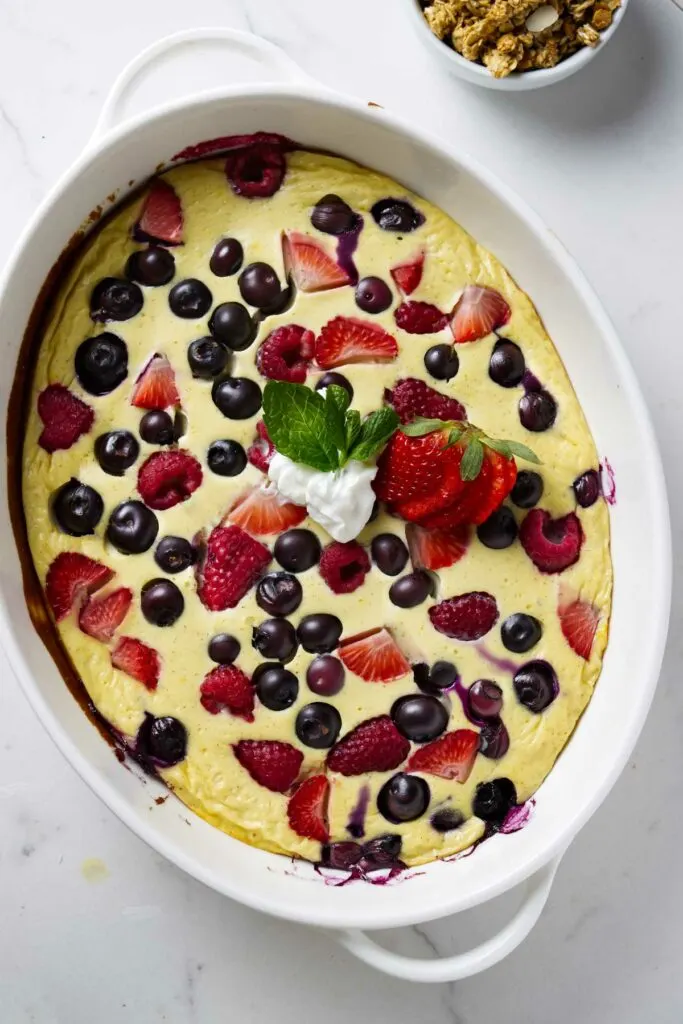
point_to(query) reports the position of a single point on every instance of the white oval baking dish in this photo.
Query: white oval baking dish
(121, 155)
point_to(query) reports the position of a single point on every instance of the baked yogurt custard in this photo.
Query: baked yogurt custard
(300, 574)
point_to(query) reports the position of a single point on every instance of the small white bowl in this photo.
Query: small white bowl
(518, 81)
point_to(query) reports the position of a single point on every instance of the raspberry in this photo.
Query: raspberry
(167, 478)
(271, 763)
(286, 354)
(551, 544)
(375, 745)
(467, 617)
(344, 566)
(411, 397)
(64, 416)
(228, 688)
(257, 171)
(233, 563)
(420, 318)
(262, 450)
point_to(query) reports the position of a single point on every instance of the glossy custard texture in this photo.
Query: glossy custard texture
(209, 778)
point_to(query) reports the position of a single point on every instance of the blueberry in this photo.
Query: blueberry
(190, 299)
(446, 819)
(389, 553)
(325, 676)
(318, 725)
(506, 365)
(224, 649)
(528, 489)
(297, 550)
(411, 589)
(161, 602)
(383, 851)
(226, 458)
(157, 427)
(275, 639)
(442, 362)
(115, 299)
(277, 687)
(101, 363)
(238, 398)
(163, 740)
(77, 508)
(484, 699)
(403, 798)
(373, 295)
(319, 633)
(260, 286)
(153, 266)
(396, 215)
(226, 258)
(537, 410)
(536, 685)
(520, 632)
(279, 593)
(443, 674)
(207, 358)
(116, 451)
(132, 528)
(587, 488)
(334, 378)
(494, 740)
(499, 530)
(231, 323)
(174, 554)
(419, 718)
(493, 800)
(332, 215)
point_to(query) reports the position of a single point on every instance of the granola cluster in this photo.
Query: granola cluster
(514, 35)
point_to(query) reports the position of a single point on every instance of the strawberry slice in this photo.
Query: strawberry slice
(307, 809)
(65, 418)
(450, 757)
(261, 511)
(137, 660)
(579, 622)
(478, 312)
(227, 688)
(262, 450)
(231, 566)
(375, 745)
(271, 763)
(156, 387)
(436, 549)
(102, 617)
(161, 218)
(347, 339)
(374, 656)
(309, 265)
(408, 275)
(70, 579)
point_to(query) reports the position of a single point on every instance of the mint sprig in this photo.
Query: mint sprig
(321, 431)
(475, 441)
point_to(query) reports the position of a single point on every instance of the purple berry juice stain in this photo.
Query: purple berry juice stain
(356, 823)
(346, 246)
(609, 487)
(530, 382)
(504, 664)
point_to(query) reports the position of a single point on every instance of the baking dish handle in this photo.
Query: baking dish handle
(278, 64)
(461, 965)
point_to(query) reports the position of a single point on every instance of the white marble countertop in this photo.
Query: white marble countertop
(97, 927)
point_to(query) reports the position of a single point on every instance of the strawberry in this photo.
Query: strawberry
(579, 622)
(551, 544)
(286, 354)
(156, 388)
(271, 763)
(102, 617)
(420, 318)
(137, 660)
(344, 566)
(436, 549)
(411, 397)
(408, 275)
(65, 418)
(227, 688)
(374, 656)
(478, 312)
(167, 478)
(232, 564)
(310, 267)
(482, 496)
(161, 218)
(450, 757)
(417, 467)
(466, 617)
(348, 339)
(375, 745)
(262, 511)
(70, 579)
(262, 450)
(307, 809)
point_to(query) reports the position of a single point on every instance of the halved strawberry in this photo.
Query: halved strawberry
(161, 218)
(347, 339)
(408, 275)
(579, 622)
(70, 579)
(436, 549)
(310, 267)
(478, 312)
(374, 656)
(65, 418)
(156, 387)
(138, 661)
(231, 565)
(375, 745)
(227, 688)
(101, 618)
(262, 511)
(262, 450)
(271, 763)
(450, 757)
(307, 809)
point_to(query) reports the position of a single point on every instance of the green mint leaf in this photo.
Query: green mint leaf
(376, 430)
(353, 428)
(522, 452)
(472, 460)
(296, 420)
(420, 427)
(335, 407)
(340, 397)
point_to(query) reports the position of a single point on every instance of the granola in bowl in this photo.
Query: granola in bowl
(519, 35)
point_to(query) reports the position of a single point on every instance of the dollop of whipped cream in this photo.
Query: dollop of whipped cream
(341, 502)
